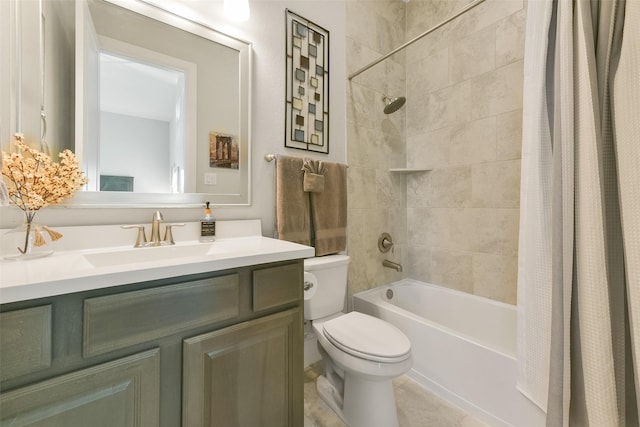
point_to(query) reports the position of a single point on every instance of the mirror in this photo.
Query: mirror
(162, 108)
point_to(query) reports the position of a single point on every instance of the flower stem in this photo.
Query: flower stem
(26, 239)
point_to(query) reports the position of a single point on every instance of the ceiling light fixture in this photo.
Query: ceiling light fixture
(237, 10)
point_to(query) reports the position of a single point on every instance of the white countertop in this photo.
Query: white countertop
(71, 270)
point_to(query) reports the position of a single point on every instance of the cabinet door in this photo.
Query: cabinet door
(124, 392)
(248, 374)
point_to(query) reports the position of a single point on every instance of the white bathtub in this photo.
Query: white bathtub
(464, 348)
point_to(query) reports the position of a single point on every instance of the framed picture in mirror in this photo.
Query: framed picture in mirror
(224, 151)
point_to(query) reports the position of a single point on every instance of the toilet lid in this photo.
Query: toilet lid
(367, 337)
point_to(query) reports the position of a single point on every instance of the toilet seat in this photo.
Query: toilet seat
(367, 337)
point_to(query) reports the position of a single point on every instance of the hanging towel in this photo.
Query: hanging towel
(329, 211)
(292, 203)
(314, 171)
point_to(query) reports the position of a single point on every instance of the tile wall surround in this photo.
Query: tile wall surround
(455, 226)
(375, 142)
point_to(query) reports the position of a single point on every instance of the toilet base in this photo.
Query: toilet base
(369, 403)
(364, 403)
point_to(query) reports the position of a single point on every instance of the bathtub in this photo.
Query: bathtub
(464, 347)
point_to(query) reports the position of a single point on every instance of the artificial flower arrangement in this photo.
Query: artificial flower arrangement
(33, 181)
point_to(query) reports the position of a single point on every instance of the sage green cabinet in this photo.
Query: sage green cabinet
(245, 375)
(121, 393)
(215, 349)
(25, 342)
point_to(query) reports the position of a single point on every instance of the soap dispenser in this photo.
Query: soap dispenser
(207, 226)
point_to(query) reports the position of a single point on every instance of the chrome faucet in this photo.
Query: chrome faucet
(390, 264)
(156, 220)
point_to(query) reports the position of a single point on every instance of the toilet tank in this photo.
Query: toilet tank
(330, 275)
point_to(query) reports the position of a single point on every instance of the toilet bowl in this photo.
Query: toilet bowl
(361, 354)
(359, 365)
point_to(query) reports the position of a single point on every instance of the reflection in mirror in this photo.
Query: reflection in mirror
(141, 113)
(160, 109)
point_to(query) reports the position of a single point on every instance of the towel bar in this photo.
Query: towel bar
(271, 157)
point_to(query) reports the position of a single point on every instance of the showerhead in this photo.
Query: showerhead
(393, 104)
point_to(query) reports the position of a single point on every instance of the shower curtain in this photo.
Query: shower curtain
(579, 250)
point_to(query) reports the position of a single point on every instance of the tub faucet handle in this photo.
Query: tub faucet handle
(385, 243)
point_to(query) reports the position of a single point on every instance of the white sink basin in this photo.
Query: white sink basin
(148, 254)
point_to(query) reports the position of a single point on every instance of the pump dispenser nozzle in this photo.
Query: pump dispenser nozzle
(207, 226)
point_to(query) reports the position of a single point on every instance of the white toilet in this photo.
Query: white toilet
(361, 354)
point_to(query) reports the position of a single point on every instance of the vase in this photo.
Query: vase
(28, 241)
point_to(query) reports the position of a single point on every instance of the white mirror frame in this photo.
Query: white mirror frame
(90, 199)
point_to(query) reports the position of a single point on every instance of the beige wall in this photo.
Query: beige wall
(463, 121)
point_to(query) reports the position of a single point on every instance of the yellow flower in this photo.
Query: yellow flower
(33, 181)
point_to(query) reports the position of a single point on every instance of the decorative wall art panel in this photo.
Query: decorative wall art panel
(307, 101)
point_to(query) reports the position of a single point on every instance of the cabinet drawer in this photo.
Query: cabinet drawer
(117, 321)
(25, 341)
(277, 286)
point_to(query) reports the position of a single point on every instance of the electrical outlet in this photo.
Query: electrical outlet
(210, 179)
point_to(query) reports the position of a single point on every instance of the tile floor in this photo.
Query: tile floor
(417, 407)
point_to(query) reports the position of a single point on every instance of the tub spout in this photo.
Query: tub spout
(391, 264)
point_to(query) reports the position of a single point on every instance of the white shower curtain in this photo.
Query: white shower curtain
(579, 253)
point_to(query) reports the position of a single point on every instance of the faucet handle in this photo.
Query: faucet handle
(141, 239)
(385, 243)
(168, 235)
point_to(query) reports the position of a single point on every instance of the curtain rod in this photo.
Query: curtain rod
(415, 39)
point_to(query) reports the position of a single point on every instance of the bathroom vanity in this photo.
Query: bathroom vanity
(210, 339)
